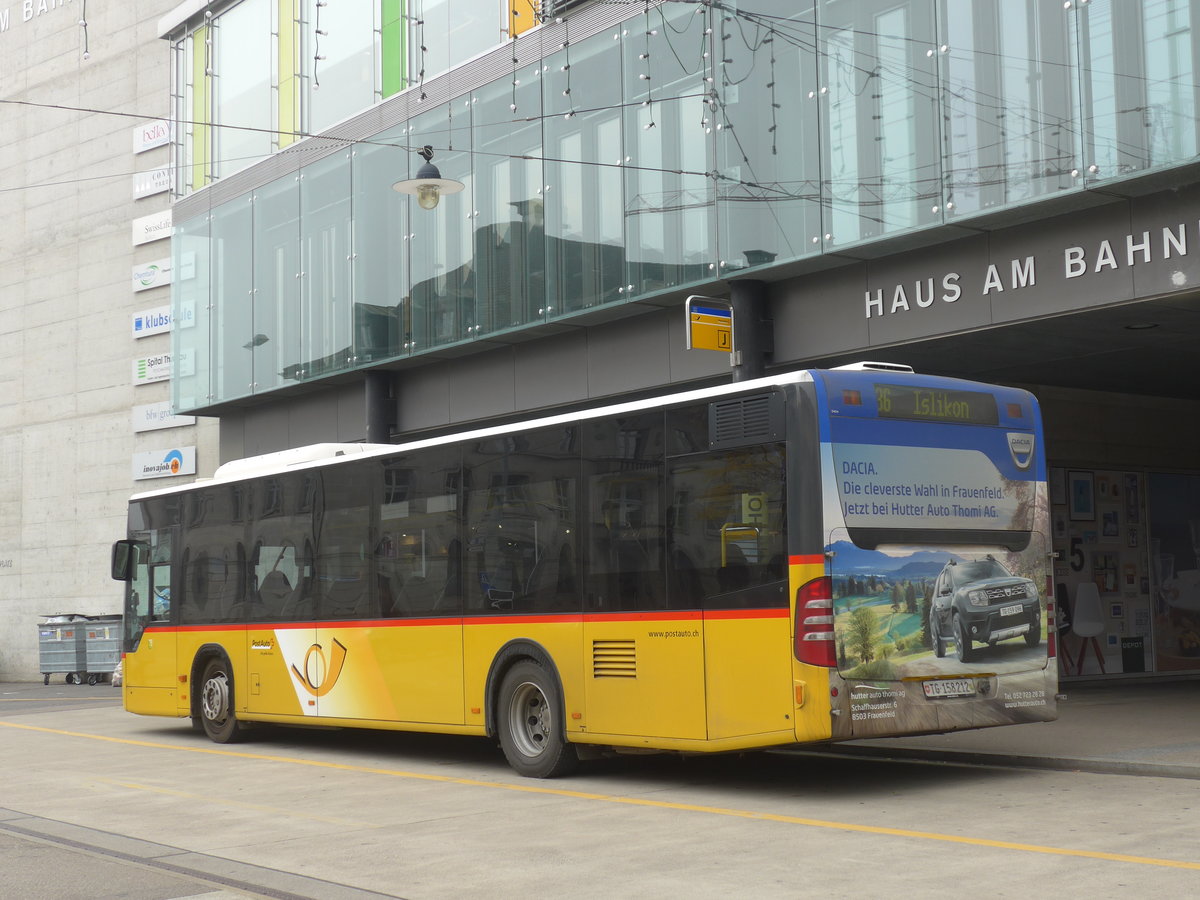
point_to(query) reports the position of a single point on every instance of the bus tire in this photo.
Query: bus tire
(962, 639)
(216, 703)
(529, 723)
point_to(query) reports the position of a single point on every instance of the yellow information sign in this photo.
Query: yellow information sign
(710, 325)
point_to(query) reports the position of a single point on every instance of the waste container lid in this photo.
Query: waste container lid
(64, 618)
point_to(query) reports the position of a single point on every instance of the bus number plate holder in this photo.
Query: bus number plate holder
(948, 687)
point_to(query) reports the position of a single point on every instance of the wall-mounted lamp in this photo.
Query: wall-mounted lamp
(428, 185)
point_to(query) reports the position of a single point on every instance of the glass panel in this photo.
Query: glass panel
(380, 257)
(727, 525)
(883, 170)
(668, 195)
(242, 78)
(342, 82)
(1136, 85)
(1170, 81)
(274, 342)
(451, 32)
(624, 540)
(343, 570)
(582, 97)
(768, 147)
(192, 334)
(214, 556)
(1009, 127)
(282, 547)
(443, 277)
(232, 326)
(419, 554)
(510, 231)
(326, 314)
(521, 511)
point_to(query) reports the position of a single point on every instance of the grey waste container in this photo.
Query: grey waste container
(62, 646)
(102, 644)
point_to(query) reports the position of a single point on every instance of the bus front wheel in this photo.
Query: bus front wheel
(216, 703)
(531, 735)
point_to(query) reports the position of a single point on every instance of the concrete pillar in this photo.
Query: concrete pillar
(753, 340)
(380, 395)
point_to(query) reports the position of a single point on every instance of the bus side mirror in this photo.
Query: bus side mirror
(122, 560)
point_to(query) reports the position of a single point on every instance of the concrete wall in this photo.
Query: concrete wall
(66, 306)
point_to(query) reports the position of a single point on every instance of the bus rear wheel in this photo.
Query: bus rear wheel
(216, 703)
(531, 735)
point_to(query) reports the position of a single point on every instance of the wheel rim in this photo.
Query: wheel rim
(529, 719)
(215, 698)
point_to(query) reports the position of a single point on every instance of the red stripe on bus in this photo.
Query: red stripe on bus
(808, 559)
(778, 613)
(691, 615)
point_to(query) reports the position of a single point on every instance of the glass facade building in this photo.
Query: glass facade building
(623, 153)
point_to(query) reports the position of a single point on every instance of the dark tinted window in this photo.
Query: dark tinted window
(727, 529)
(281, 546)
(214, 579)
(343, 568)
(521, 511)
(624, 532)
(419, 551)
(687, 429)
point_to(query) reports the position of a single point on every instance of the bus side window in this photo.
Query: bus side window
(727, 527)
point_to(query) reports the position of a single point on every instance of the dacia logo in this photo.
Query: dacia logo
(1020, 445)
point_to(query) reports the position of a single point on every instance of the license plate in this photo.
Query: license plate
(949, 687)
(1011, 610)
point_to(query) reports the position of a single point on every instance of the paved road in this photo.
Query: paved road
(101, 804)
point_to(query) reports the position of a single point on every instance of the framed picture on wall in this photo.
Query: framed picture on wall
(1081, 490)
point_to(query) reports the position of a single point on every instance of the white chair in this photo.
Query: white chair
(1087, 621)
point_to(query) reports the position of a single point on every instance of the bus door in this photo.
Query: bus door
(643, 659)
(278, 646)
(149, 662)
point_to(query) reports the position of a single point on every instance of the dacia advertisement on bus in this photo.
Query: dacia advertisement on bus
(936, 517)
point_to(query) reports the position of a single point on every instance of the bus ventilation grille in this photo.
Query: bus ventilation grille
(614, 659)
(741, 421)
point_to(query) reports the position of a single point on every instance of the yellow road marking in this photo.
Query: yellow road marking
(635, 801)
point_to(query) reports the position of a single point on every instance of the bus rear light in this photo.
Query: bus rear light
(851, 398)
(814, 623)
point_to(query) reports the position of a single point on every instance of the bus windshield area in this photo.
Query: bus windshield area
(148, 592)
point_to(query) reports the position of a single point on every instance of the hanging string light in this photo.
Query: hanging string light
(773, 130)
(83, 24)
(566, 46)
(649, 101)
(317, 35)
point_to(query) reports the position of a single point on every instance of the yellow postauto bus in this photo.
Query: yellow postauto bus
(820, 555)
